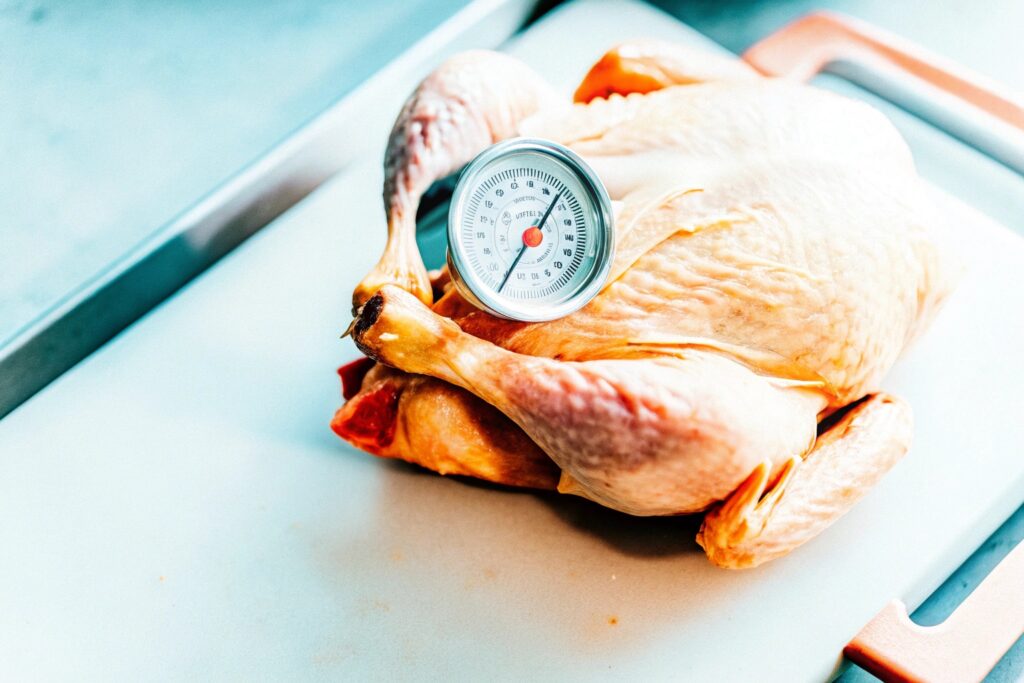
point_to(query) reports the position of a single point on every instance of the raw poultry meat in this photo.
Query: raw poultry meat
(774, 256)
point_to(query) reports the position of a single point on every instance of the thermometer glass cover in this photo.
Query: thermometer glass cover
(530, 233)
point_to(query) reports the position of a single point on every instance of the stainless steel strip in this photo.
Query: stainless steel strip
(961, 120)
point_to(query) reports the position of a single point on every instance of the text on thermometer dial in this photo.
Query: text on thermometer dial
(530, 232)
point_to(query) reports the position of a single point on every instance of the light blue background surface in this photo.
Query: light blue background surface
(117, 115)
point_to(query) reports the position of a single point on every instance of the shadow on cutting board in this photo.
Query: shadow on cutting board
(626, 534)
(434, 554)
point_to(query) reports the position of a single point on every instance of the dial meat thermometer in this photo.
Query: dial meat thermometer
(529, 231)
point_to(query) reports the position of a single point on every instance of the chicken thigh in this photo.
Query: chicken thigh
(773, 258)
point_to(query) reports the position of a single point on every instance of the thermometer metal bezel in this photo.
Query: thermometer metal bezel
(482, 296)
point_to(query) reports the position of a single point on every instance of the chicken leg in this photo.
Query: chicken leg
(649, 436)
(471, 101)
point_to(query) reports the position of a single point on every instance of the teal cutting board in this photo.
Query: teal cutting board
(175, 507)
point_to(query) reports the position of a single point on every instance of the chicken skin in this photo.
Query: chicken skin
(774, 256)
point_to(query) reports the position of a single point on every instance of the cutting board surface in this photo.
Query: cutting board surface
(176, 505)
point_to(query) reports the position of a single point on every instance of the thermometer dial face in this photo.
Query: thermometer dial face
(529, 231)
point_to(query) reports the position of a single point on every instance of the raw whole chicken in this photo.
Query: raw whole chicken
(773, 257)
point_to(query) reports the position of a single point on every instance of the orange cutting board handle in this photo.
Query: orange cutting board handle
(808, 45)
(963, 648)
